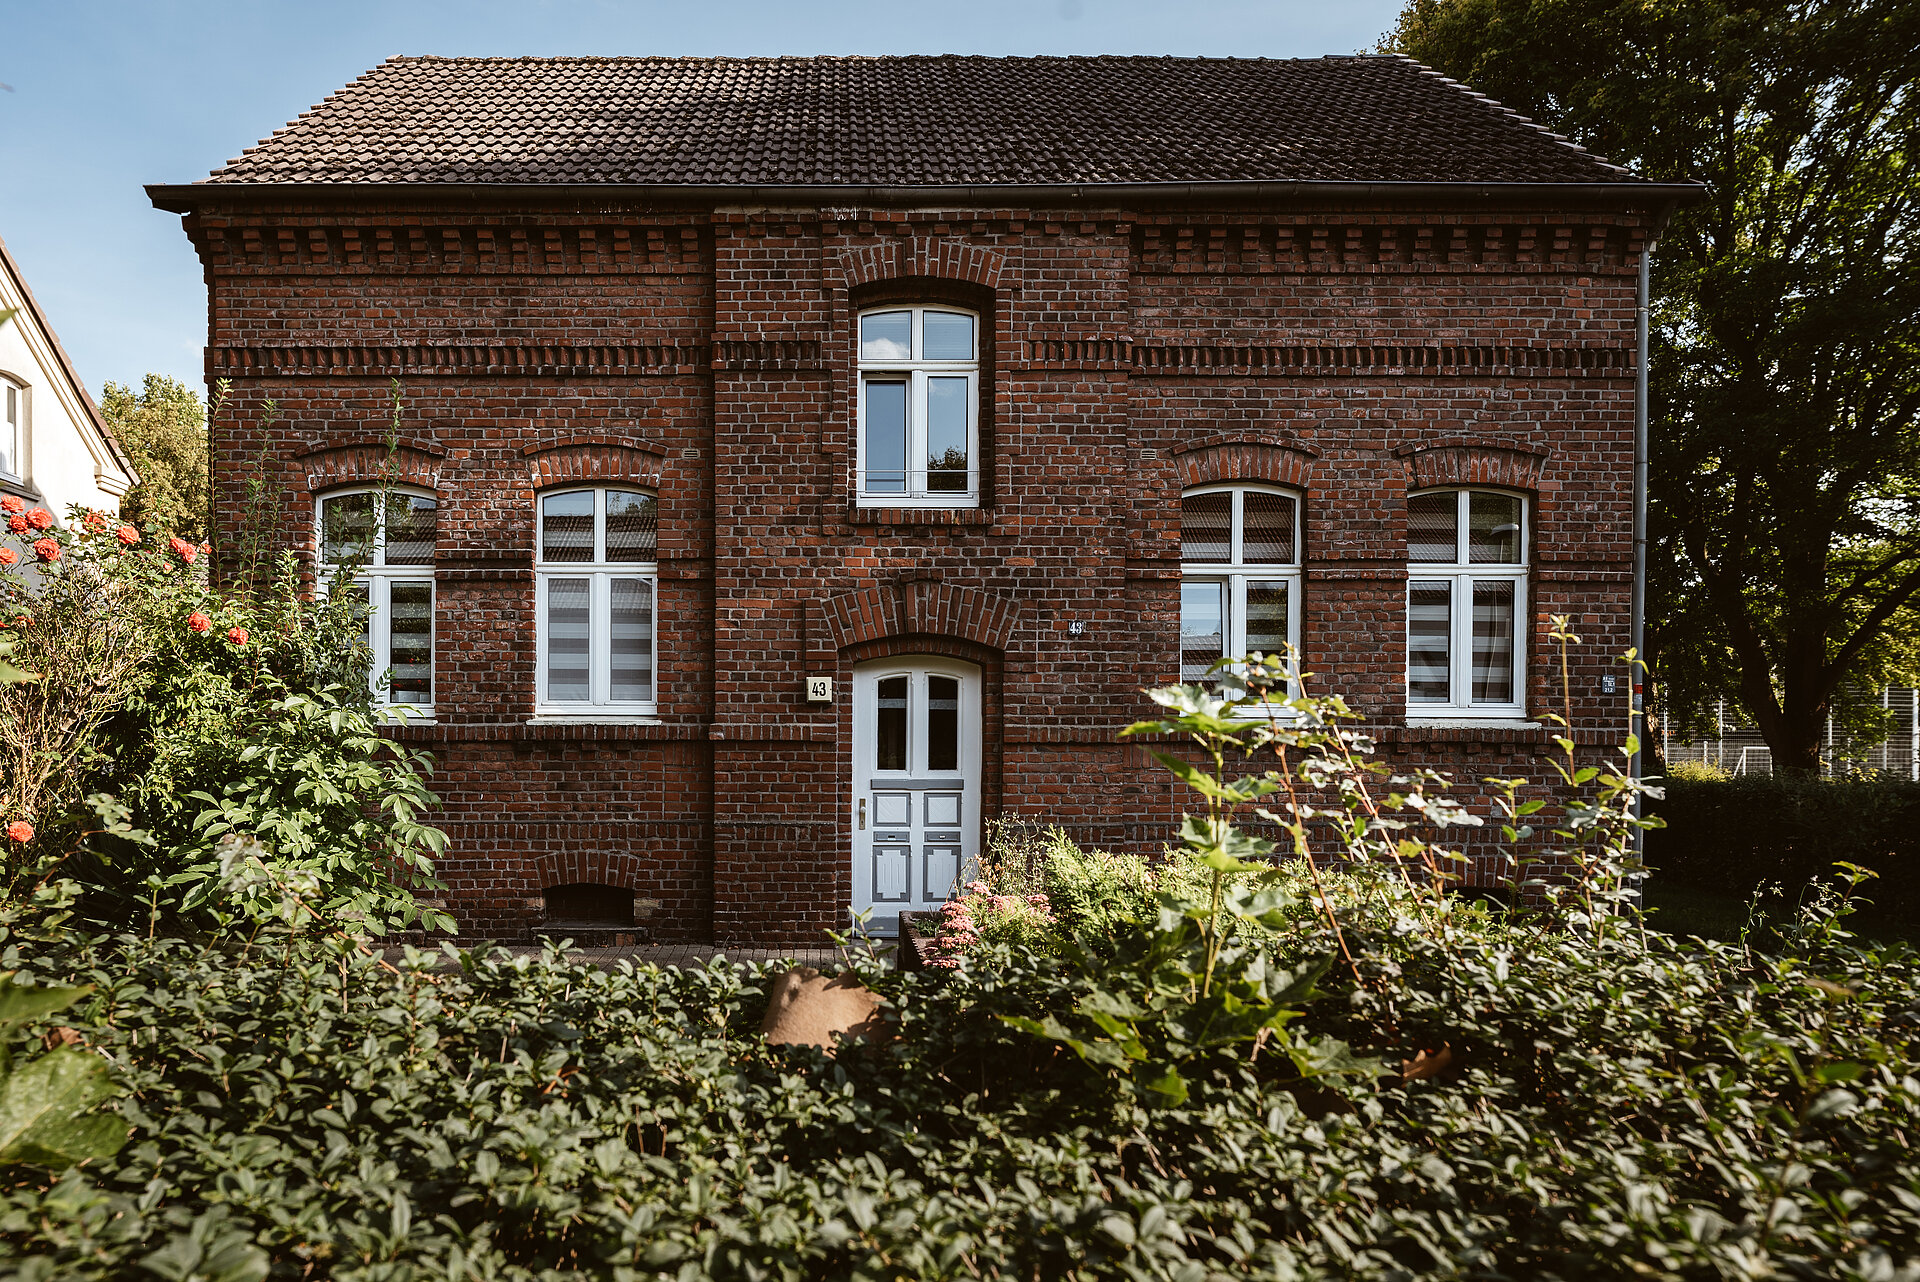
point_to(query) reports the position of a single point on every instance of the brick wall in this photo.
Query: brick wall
(1351, 354)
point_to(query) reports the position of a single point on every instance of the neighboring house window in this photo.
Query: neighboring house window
(13, 433)
(1239, 575)
(1466, 591)
(595, 580)
(388, 549)
(919, 408)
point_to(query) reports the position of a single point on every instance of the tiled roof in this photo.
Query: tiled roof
(910, 121)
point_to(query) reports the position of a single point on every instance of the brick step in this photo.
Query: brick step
(590, 934)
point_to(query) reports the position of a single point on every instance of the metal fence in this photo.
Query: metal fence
(1737, 747)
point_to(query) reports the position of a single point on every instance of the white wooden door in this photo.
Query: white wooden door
(916, 785)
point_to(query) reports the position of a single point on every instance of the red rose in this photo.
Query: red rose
(206, 548)
(17, 523)
(183, 549)
(20, 830)
(237, 635)
(46, 549)
(40, 518)
(127, 535)
(94, 520)
(198, 621)
(8, 556)
(11, 504)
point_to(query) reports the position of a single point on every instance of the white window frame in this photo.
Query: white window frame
(1461, 574)
(915, 373)
(1236, 571)
(380, 578)
(601, 573)
(13, 422)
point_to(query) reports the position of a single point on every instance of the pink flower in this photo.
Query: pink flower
(40, 519)
(198, 621)
(46, 549)
(237, 635)
(20, 830)
(977, 888)
(8, 556)
(11, 504)
(127, 535)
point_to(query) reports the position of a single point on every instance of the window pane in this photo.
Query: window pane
(1206, 527)
(410, 642)
(886, 438)
(1267, 603)
(1493, 528)
(1429, 639)
(1203, 630)
(631, 654)
(10, 433)
(943, 723)
(1432, 522)
(1493, 642)
(1266, 529)
(947, 436)
(569, 640)
(890, 726)
(413, 526)
(946, 337)
(886, 336)
(633, 532)
(566, 527)
(346, 528)
(359, 598)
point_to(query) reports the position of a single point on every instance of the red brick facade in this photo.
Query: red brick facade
(1349, 352)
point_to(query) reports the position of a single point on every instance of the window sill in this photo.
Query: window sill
(858, 514)
(1463, 720)
(414, 715)
(548, 717)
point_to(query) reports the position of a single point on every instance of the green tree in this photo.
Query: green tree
(1785, 493)
(163, 426)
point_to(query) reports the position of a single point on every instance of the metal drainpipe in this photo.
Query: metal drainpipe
(1636, 702)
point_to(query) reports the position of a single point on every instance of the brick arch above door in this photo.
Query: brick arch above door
(920, 607)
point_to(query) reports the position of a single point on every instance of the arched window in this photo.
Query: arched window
(387, 549)
(595, 578)
(1239, 574)
(919, 407)
(13, 429)
(1466, 592)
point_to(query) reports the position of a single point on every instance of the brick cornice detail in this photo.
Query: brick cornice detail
(430, 360)
(787, 352)
(1149, 358)
(1465, 461)
(937, 257)
(920, 607)
(1245, 456)
(370, 463)
(595, 460)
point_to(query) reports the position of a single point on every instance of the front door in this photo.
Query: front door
(916, 785)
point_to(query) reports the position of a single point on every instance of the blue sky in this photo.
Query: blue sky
(103, 98)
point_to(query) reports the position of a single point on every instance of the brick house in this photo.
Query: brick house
(806, 459)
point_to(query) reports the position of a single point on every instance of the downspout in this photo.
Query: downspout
(1636, 702)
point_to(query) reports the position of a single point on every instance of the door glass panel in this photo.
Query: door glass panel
(566, 527)
(346, 528)
(1429, 637)
(1206, 527)
(1493, 529)
(945, 336)
(410, 642)
(943, 723)
(569, 607)
(1493, 642)
(632, 526)
(890, 725)
(412, 528)
(886, 336)
(1202, 627)
(630, 655)
(947, 435)
(886, 443)
(1267, 602)
(1266, 529)
(1432, 523)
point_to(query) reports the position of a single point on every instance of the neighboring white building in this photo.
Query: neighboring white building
(55, 448)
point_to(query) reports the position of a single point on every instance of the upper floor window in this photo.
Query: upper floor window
(1466, 591)
(595, 581)
(919, 408)
(13, 415)
(1239, 575)
(387, 546)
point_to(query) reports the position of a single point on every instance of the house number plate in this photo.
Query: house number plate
(819, 689)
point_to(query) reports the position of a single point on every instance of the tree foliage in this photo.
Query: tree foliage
(1786, 394)
(163, 426)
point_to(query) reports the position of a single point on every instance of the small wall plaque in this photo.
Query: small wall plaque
(819, 689)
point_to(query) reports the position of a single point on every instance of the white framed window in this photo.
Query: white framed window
(388, 548)
(1466, 594)
(13, 428)
(919, 408)
(1239, 575)
(595, 581)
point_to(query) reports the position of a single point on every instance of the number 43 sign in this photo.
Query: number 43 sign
(819, 689)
